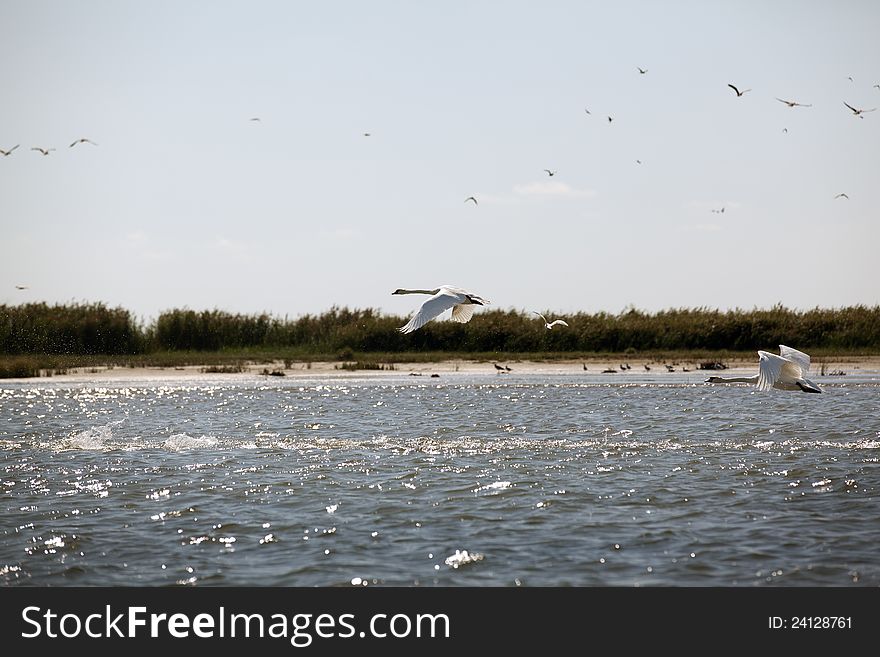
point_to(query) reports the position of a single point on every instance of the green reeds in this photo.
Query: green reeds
(178, 337)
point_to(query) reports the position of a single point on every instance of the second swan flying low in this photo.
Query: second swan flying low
(787, 371)
(442, 298)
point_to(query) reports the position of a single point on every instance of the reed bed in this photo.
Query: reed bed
(36, 337)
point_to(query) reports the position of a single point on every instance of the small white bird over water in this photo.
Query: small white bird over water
(442, 298)
(550, 325)
(787, 371)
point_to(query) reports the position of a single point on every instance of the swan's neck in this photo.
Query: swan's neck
(735, 379)
(418, 291)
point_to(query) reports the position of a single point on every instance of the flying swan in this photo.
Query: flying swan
(787, 371)
(442, 298)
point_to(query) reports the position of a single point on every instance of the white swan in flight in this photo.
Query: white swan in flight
(550, 325)
(787, 371)
(442, 298)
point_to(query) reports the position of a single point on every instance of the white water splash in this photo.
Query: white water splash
(462, 558)
(93, 438)
(183, 441)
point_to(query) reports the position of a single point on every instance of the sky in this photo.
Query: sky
(378, 119)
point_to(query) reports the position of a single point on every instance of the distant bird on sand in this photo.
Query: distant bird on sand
(647, 368)
(471, 198)
(585, 367)
(792, 103)
(5, 153)
(858, 112)
(550, 325)
(738, 92)
(842, 195)
(550, 173)
(442, 298)
(642, 70)
(787, 371)
(44, 151)
(83, 140)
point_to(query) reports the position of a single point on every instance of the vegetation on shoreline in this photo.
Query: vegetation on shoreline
(36, 337)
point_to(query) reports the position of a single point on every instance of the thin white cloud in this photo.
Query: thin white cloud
(552, 188)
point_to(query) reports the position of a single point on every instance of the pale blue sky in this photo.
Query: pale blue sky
(185, 202)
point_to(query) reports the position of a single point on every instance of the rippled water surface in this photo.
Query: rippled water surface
(479, 480)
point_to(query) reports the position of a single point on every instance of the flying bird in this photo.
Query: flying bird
(44, 151)
(792, 103)
(83, 140)
(550, 173)
(787, 371)
(842, 195)
(586, 110)
(738, 92)
(256, 118)
(21, 287)
(858, 112)
(442, 298)
(642, 70)
(610, 119)
(471, 198)
(550, 325)
(5, 153)
(367, 134)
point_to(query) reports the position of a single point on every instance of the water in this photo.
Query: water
(467, 479)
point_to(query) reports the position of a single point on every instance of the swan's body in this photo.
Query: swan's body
(442, 298)
(787, 371)
(550, 325)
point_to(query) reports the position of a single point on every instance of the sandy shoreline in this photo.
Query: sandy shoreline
(833, 366)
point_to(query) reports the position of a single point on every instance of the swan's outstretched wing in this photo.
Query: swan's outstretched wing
(462, 312)
(773, 368)
(561, 322)
(798, 357)
(432, 307)
(540, 315)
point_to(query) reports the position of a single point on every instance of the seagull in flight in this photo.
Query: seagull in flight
(5, 153)
(83, 140)
(586, 110)
(257, 119)
(738, 92)
(842, 195)
(792, 103)
(44, 151)
(550, 325)
(858, 112)
(642, 70)
(21, 287)
(471, 198)
(550, 173)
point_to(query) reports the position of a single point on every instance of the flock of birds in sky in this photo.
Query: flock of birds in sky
(787, 371)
